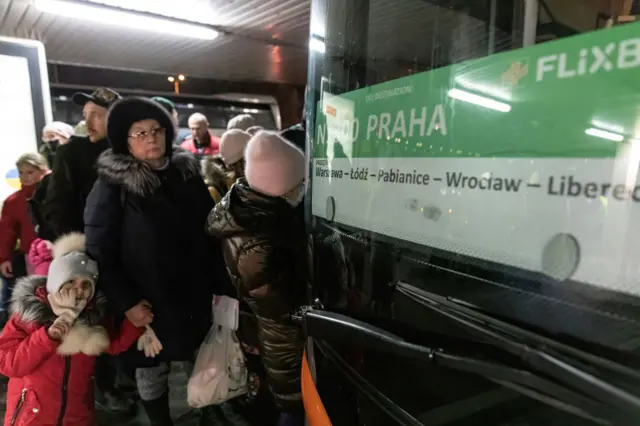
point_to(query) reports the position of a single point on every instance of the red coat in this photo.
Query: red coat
(43, 385)
(212, 149)
(15, 223)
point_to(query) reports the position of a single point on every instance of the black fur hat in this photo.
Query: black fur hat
(129, 110)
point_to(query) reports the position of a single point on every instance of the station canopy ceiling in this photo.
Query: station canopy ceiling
(260, 40)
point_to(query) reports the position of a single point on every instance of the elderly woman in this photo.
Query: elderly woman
(265, 250)
(144, 224)
(53, 135)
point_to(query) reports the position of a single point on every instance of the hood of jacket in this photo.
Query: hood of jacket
(138, 177)
(244, 210)
(214, 170)
(29, 303)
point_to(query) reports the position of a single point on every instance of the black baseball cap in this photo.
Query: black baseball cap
(103, 96)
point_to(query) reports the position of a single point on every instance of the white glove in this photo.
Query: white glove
(63, 304)
(149, 343)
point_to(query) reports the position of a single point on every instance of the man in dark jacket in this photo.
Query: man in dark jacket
(74, 170)
(62, 210)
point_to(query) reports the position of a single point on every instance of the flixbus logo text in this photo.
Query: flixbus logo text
(590, 60)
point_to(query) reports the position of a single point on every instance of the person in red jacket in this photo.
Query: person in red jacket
(15, 222)
(202, 142)
(49, 346)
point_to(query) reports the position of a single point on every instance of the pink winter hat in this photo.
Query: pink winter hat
(41, 256)
(273, 165)
(232, 145)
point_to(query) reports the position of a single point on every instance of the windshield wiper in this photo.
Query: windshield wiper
(560, 369)
(332, 327)
(471, 312)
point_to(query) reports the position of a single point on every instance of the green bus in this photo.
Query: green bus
(473, 204)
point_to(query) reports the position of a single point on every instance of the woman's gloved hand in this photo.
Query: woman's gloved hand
(149, 343)
(63, 304)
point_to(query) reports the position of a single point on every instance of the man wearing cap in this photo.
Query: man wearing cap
(62, 210)
(74, 169)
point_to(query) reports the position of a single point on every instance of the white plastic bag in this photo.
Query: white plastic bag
(220, 372)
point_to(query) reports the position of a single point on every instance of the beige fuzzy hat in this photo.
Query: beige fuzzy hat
(242, 122)
(232, 145)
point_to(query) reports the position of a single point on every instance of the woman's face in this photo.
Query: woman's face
(147, 140)
(48, 137)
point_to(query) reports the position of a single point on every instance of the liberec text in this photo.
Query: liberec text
(564, 186)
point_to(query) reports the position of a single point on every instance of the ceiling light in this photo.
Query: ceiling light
(123, 18)
(479, 100)
(604, 134)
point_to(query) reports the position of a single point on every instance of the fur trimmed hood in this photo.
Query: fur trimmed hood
(138, 177)
(214, 171)
(29, 303)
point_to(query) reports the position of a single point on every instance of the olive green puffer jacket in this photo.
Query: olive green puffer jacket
(266, 255)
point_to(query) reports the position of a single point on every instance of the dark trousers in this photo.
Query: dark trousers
(19, 270)
(106, 373)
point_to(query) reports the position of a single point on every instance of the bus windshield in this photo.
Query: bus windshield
(483, 154)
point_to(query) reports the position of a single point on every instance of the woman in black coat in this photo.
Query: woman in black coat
(144, 225)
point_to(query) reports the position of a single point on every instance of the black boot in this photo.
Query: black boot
(108, 396)
(115, 403)
(158, 411)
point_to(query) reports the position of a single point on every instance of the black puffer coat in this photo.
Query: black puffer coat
(73, 176)
(146, 230)
(266, 254)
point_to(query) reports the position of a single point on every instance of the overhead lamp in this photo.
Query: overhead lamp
(124, 18)
(176, 82)
(599, 133)
(482, 101)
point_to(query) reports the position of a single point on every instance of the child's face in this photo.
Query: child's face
(81, 286)
(30, 175)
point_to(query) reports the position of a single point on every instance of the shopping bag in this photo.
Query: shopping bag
(220, 371)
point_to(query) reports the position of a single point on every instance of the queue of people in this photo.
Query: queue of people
(127, 240)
